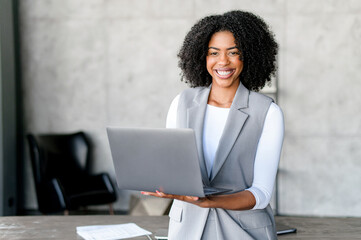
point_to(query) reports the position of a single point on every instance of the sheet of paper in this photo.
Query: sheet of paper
(111, 232)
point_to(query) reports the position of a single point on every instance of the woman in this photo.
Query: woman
(226, 59)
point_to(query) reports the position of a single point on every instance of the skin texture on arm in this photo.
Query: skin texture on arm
(237, 201)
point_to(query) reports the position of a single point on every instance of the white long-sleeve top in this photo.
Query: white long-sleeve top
(268, 150)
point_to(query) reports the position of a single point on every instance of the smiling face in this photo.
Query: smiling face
(223, 60)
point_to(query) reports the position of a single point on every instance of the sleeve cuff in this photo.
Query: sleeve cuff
(263, 198)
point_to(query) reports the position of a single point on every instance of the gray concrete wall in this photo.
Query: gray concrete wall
(320, 93)
(89, 64)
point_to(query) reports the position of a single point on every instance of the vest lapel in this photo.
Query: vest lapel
(232, 129)
(195, 120)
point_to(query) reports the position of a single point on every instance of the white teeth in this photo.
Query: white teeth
(224, 73)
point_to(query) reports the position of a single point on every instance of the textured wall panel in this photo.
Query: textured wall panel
(319, 171)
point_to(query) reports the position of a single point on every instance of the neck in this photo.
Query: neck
(222, 97)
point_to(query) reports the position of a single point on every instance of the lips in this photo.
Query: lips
(224, 73)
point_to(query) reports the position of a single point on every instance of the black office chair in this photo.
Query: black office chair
(62, 180)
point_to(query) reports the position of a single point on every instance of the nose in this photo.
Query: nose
(223, 59)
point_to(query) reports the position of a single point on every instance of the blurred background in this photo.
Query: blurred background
(86, 64)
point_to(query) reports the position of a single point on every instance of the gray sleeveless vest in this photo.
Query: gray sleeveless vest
(232, 169)
(238, 144)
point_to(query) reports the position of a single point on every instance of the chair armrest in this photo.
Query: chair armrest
(51, 197)
(102, 181)
(108, 182)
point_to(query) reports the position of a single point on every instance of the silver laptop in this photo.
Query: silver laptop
(150, 159)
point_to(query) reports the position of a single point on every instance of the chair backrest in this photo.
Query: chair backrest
(58, 155)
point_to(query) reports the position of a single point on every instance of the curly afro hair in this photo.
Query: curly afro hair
(252, 37)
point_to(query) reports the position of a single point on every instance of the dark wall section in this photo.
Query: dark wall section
(8, 110)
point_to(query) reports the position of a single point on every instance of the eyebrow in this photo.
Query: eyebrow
(220, 49)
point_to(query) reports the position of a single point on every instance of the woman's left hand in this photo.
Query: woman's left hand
(199, 201)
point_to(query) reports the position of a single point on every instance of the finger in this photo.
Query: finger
(192, 198)
(171, 196)
(164, 195)
(160, 194)
(149, 193)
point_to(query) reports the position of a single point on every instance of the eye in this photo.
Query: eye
(234, 53)
(213, 53)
